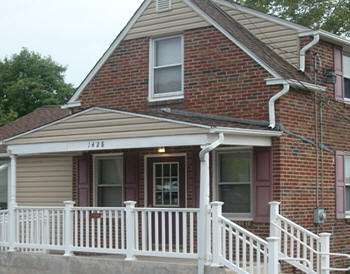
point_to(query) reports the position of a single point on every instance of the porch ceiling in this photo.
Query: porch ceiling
(102, 129)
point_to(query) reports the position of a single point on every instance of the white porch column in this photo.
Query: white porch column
(12, 204)
(204, 205)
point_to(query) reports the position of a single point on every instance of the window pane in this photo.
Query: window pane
(3, 188)
(168, 79)
(236, 198)
(346, 66)
(348, 198)
(347, 88)
(158, 170)
(235, 167)
(110, 196)
(347, 169)
(174, 170)
(168, 51)
(166, 170)
(110, 171)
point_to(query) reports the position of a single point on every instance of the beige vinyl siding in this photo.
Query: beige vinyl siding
(283, 40)
(152, 23)
(44, 180)
(101, 125)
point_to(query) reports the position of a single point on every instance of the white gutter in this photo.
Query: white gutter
(204, 204)
(316, 36)
(272, 116)
(3, 167)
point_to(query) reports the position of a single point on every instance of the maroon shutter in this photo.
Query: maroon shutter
(195, 177)
(340, 185)
(262, 183)
(83, 180)
(131, 172)
(338, 69)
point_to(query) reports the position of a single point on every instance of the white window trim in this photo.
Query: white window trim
(169, 95)
(97, 157)
(154, 185)
(145, 176)
(215, 184)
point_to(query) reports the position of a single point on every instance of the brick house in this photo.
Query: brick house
(181, 75)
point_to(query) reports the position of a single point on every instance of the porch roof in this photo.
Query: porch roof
(101, 128)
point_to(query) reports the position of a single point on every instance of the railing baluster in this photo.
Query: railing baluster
(184, 232)
(265, 260)
(304, 247)
(163, 231)
(191, 233)
(110, 224)
(298, 243)
(98, 230)
(244, 257)
(311, 253)
(258, 250)
(81, 224)
(170, 231)
(156, 234)
(87, 225)
(285, 239)
(59, 228)
(251, 255)
(104, 230)
(237, 247)
(92, 231)
(292, 242)
(122, 225)
(149, 230)
(230, 245)
(116, 230)
(137, 244)
(177, 225)
(144, 230)
(76, 221)
(223, 240)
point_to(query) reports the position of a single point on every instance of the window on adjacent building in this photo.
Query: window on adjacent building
(346, 69)
(109, 181)
(166, 68)
(234, 188)
(3, 186)
(347, 184)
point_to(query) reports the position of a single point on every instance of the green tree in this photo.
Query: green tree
(29, 81)
(329, 15)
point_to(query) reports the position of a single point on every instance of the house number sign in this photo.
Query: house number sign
(95, 215)
(96, 144)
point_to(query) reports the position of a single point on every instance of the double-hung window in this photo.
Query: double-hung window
(347, 184)
(109, 181)
(234, 183)
(166, 68)
(346, 70)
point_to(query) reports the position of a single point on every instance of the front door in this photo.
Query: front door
(166, 182)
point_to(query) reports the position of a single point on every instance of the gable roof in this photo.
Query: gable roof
(37, 118)
(274, 64)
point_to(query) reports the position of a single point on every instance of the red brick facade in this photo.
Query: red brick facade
(221, 79)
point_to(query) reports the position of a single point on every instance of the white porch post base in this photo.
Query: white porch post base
(325, 264)
(216, 214)
(68, 228)
(130, 230)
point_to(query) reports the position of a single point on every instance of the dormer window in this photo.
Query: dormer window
(166, 68)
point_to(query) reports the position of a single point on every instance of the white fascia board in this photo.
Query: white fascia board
(263, 15)
(327, 36)
(108, 110)
(71, 105)
(233, 39)
(243, 140)
(295, 83)
(108, 144)
(109, 52)
(246, 132)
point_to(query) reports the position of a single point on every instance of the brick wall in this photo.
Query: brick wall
(219, 78)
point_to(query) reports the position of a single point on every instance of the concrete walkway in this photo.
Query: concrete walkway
(34, 263)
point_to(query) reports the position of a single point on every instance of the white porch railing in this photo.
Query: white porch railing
(240, 250)
(167, 232)
(4, 242)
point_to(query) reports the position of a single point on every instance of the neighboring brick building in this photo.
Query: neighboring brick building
(201, 68)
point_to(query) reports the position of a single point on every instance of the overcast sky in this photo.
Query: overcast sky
(75, 33)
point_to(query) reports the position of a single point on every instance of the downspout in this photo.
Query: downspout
(272, 101)
(204, 206)
(305, 49)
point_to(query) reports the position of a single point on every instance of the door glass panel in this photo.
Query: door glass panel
(166, 184)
